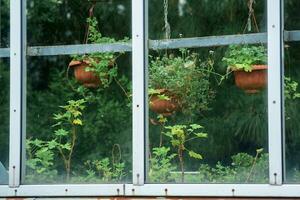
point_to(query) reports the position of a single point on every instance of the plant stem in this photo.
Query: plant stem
(252, 167)
(180, 156)
(122, 88)
(161, 134)
(69, 159)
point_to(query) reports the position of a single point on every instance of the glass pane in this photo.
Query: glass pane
(292, 95)
(203, 18)
(292, 105)
(77, 133)
(4, 23)
(4, 118)
(4, 99)
(58, 22)
(208, 106)
(79, 122)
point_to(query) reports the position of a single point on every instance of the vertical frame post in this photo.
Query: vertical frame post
(139, 82)
(15, 92)
(275, 100)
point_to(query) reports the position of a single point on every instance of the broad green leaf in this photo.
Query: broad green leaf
(195, 155)
(61, 132)
(201, 135)
(196, 126)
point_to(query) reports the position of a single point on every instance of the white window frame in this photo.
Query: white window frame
(139, 47)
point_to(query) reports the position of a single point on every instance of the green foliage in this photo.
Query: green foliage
(242, 57)
(161, 166)
(290, 89)
(183, 76)
(40, 161)
(66, 135)
(41, 153)
(243, 169)
(72, 113)
(179, 135)
(105, 170)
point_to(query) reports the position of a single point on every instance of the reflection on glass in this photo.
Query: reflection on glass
(292, 95)
(56, 22)
(78, 132)
(4, 23)
(4, 118)
(208, 107)
(4, 99)
(292, 105)
(202, 17)
(79, 109)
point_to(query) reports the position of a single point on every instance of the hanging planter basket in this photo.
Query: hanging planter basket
(251, 82)
(165, 107)
(87, 78)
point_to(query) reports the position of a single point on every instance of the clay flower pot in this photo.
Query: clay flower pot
(252, 82)
(163, 106)
(87, 78)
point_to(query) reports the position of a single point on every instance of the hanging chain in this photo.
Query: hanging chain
(91, 14)
(251, 16)
(167, 25)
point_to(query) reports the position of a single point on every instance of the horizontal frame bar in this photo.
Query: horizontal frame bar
(153, 190)
(63, 190)
(78, 49)
(291, 36)
(209, 41)
(195, 42)
(4, 52)
(213, 190)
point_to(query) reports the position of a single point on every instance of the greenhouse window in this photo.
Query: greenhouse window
(152, 98)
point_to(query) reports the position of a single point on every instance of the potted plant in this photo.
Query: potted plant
(163, 102)
(179, 83)
(249, 64)
(95, 69)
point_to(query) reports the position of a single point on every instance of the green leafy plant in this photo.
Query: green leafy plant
(184, 77)
(242, 57)
(290, 89)
(160, 165)
(179, 135)
(68, 122)
(106, 170)
(40, 159)
(102, 64)
(244, 168)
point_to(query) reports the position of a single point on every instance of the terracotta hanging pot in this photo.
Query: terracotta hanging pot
(87, 78)
(163, 106)
(252, 82)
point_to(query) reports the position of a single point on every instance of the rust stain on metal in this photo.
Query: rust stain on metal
(14, 198)
(193, 198)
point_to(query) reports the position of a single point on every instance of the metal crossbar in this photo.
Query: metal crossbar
(194, 42)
